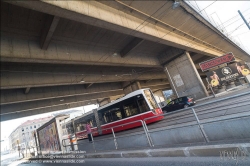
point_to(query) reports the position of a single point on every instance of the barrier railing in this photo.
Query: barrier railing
(113, 133)
(198, 122)
(243, 102)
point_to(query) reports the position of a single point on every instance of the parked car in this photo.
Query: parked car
(179, 103)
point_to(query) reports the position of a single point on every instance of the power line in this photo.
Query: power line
(242, 33)
(216, 27)
(233, 17)
(208, 6)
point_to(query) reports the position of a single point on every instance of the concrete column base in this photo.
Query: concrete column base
(184, 77)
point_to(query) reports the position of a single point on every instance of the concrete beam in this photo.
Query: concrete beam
(32, 105)
(104, 101)
(12, 96)
(201, 59)
(27, 90)
(26, 109)
(45, 110)
(89, 85)
(10, 79)
(62, 51)
(123, 22)
(146, 84)
(160, 87)
(195, 57)
(169, 55)
(48, 30)
(130, 46)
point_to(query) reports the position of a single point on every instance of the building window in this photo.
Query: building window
(35, 126)
(27, 128)
(22, 129)
(30, 127)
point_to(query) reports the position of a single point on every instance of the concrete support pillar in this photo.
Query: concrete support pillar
(98, 123)
(104, 101)
(184, 78)
(129, 87)
(159, 96)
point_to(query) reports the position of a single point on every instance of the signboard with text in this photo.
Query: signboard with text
(227, 73)
(229, 57)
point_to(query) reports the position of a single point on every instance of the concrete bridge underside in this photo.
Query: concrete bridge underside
(63, 54)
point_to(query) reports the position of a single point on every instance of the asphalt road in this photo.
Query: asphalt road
(9, 158)
(157, 161)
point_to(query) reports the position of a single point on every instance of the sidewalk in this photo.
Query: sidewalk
(242, 149)
(227, 93)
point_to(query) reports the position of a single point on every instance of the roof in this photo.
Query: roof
(28, 122)
(36, 121)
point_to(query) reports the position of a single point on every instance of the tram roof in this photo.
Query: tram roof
(123, 98)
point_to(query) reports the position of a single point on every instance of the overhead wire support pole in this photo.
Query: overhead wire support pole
(244, 19)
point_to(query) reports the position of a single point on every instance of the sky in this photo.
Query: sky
(222, 14)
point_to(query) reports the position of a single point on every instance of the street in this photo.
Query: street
(9, 158)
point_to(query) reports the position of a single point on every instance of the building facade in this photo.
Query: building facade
(23, 135)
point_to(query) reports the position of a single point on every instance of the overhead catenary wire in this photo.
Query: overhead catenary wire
(227, 25)
(187, 42)
(171, 31)
(207, 6)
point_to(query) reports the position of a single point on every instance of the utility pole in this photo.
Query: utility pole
(244, 19)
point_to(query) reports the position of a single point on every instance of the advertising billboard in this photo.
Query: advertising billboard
(48, 138)
(227, 73)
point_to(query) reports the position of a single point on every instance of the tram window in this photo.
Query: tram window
(143, 105)
(92, 122)
(101, 118)
(151, 99)
(115, 115)
(78, 127)
(106, 117)
(130, 108)
(110, 114)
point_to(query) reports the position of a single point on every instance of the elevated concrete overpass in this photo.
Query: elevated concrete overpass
(59, 54)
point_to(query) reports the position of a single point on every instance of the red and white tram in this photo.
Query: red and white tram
(135, 106)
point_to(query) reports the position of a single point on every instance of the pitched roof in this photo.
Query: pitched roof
(36, 121)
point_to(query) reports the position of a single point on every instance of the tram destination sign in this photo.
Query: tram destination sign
(229, 57)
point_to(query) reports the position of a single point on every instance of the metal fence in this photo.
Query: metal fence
(226, 119)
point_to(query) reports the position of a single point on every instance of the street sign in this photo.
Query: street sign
(229, 57)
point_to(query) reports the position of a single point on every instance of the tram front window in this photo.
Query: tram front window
(143, 105)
